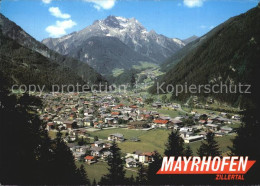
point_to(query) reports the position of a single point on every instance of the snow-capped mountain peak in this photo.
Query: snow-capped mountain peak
(128, 30)
(116, 24)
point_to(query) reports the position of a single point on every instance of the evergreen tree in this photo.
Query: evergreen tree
(29, 156)
(142, 176)
(153, 168)
(95, 138)
(188, 152)
(247, 139)
(116, 170)
(65, 165)
(83, 175)
(174, 146)
(94, 183)
(131, 180)
(132, 81)
(210, 147)
(164, 97)
(88, 152)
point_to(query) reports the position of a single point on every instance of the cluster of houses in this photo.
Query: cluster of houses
(76, 114)
(72, 111)
(99, 151)
(136, 158)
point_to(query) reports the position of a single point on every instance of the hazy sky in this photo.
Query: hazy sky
(173, 18)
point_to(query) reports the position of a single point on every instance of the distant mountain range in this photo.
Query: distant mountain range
(106, 53)
(117, 43)
(230, 53)
(48, 61)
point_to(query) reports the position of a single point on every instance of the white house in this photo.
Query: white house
(193, 138)
(131, 162)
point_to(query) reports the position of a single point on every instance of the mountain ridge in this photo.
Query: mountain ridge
(15, 32)
(155, 47)
(229, 53)
(23, 66)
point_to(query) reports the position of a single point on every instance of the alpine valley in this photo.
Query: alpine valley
(123, 135)
(115, 43)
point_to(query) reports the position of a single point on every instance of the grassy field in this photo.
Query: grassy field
(224, 142)
(220, 105)
(154, 140)
(165, 111)
(97, 170)
(149, 141)
(103, 134)
(171, 113)
(52, 134)
(117, 71)
(207, 111)
(144, 65)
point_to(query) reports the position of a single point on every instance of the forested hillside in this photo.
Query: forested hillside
(229, 54)
(15, 32)
(24, 66)
(107, 53)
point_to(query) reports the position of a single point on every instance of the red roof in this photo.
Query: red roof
(148, 153)
(160, 121)
(133, 106)
(89, 158)
(118, 106)
(202, 121)
(147, 115)
(115, 113)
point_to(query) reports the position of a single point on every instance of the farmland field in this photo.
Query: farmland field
(154, 140)
(103, 134)
(97, 170)
(169, 112)
(223, 142)
(149, 141)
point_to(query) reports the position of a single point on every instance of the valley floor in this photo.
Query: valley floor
(89, 121)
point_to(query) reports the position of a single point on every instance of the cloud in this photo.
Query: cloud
(60, 28)
(193, 3)
(102, 4)
(55, 11)
(203, 26)
(46, 1)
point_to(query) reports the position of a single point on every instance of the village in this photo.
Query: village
(91, 122)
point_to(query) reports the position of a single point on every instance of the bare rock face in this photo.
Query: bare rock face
(149, 46)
